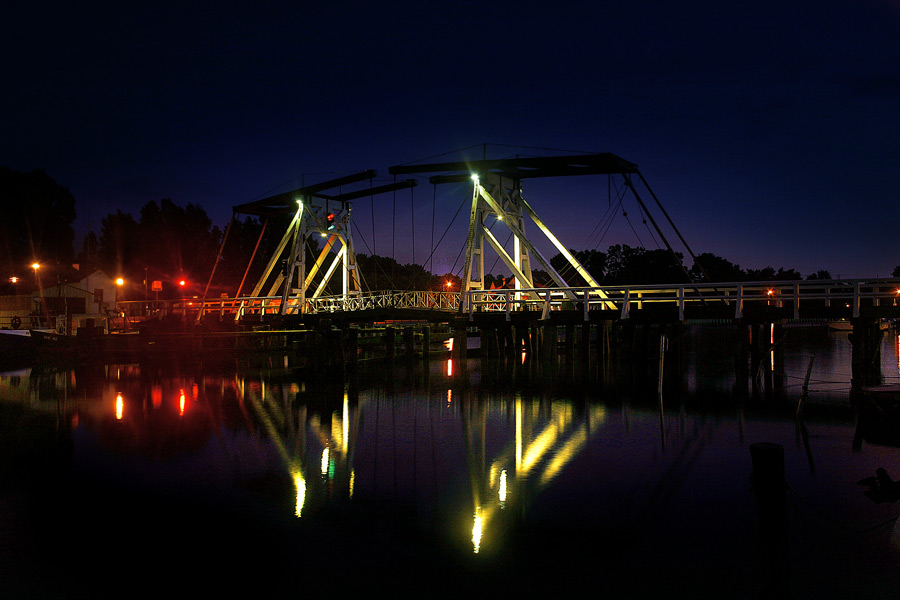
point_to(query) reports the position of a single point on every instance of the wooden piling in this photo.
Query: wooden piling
(460, 341)
(409, 341)
(865, 342)
(426, 342)
(352, 345)
(570, 343)
(585, 345)
(390, 342)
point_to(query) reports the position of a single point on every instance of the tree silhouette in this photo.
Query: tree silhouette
(119, 243)
(594, 261)
(37, 221)
(717, 268)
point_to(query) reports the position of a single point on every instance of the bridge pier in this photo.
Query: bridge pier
(409, 342)
(460, 340)
(351, 345)
(390, 342)
(865, 358)
(549, 344)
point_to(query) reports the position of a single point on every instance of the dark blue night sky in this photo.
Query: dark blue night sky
(770, 131)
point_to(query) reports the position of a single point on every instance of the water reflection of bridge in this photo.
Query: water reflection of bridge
(514, 449)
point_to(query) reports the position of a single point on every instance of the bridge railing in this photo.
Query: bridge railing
(385, 299)
(852, 294)
(736, 297)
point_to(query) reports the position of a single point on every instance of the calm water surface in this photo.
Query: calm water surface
(250, 477)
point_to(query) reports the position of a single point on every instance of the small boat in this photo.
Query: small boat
(15, 342)
(847, 325)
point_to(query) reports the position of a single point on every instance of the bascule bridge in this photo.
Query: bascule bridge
(297, 285)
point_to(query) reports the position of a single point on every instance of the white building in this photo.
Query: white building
(67, 305)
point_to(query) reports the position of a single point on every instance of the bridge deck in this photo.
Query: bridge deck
(785, 300)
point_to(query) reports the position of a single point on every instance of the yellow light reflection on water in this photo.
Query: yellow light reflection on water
(300, 484)
(120, 407)
(325, 460)
(477, 531)
(449, 367)
(502, 492)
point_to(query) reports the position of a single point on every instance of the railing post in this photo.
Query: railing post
(586, 305)
(856, 300)
(681, 303)
(739, 302)
(626, 304)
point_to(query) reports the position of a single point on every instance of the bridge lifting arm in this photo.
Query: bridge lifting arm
(316, 210)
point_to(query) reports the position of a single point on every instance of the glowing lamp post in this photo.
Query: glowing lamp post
(119, 283)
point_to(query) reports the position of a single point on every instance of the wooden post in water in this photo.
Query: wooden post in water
(865, 360)
(603, 350)
(390, 341)
(352, 345)
(769, 488)
(549, 344)
(488, 338)
(426, 343)
(570, 343)
(460, 341)
(409, 341)
(585, 346)
(755, 355)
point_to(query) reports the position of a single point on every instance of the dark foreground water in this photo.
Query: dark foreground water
(252, 479)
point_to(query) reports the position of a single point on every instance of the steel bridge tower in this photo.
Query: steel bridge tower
(497, 197)
(314, 213)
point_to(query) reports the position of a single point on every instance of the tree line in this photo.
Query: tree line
(169, 243)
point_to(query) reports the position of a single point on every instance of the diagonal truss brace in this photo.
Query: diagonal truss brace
(509, 206)
(313, 216)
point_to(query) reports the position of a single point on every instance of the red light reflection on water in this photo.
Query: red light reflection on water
(120, 407)
(181, 402)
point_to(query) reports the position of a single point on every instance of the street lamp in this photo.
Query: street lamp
(119, 283)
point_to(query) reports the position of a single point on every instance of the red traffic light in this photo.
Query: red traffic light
(329, 218)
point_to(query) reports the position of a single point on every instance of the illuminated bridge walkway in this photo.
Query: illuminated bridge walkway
(753, 301)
